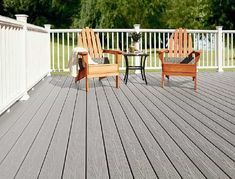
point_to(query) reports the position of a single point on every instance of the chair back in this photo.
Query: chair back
(89, 40)
(180, 44)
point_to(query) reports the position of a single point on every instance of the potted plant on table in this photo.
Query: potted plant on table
(135, 36)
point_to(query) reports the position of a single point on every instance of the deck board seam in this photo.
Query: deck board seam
(22, 113)
(211, 109)
(199, 91)
(205, 126)
(208, 117)
(101, 128)
(119, 135)
(169, 133)
(186, 137)
(193, 141)
(201, 112)
(38, 131)
(135, 134)
(53, 133)
(26, 126)
(70, 130)
(149, 132)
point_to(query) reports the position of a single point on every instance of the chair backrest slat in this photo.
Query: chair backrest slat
(180, 43)
(100, 51)
(88, 39)
(185, 43)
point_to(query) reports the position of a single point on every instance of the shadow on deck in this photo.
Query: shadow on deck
(136, 131)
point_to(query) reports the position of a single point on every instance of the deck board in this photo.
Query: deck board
(137, 131)
(53, 162)
(29, 168)
(117, 161)
(189, 126)
(75, 165)
(96, 155)
(139, 164)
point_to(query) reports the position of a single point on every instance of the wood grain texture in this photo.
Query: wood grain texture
(54, 160)
(29, 168)
(75, 165)
(136, 131)
(117, 161)
(96, 155)
(24, 141)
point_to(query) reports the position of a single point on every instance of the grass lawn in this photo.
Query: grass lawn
(62, 53)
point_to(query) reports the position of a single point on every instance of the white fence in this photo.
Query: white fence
(217, 45)
(24, 58)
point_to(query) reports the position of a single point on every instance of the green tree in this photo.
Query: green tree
(120, 13)
(187, 14)
(222, 13)
(56, 12)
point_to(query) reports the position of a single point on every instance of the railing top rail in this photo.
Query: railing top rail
(228, 31)
(130, 30)
(14, 23)
(35, 28)
(10, 22)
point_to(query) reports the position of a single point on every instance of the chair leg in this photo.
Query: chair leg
(117, 81)
(195, 83)
(87, 85)
(162, 81)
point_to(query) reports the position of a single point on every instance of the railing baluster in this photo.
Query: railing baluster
(103, 40)
(150, 49)
(63, 50)
(68, 48)
(228, 59)
(232, 48)
(211, 49)
(207, 61)
(159, 40)
(155, 49)
(73, 39)
(122, 48)
(58, 51)
(53, 51)
(215, 45)
(224, 50)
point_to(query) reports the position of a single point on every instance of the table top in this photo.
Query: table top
(138, 53)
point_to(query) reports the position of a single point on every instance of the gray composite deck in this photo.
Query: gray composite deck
(136, 131)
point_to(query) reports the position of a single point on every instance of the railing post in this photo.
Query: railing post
(219, 49)
(48, 28)
(23, 18)
(137, 47)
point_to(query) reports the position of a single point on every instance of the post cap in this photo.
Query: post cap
(22, 17)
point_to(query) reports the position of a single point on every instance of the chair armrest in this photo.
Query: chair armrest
(117, 54)
(161, 54)
(114, 52)
(162, 51)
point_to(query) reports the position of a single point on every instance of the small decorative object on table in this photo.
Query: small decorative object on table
(135, 36)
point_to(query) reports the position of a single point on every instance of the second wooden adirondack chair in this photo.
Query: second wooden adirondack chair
(182, 59)
(89, 40)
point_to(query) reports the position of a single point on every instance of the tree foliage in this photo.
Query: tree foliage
(197, 14)
(222, 13)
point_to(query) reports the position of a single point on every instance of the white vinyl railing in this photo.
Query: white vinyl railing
(216, 45)
(24, 58)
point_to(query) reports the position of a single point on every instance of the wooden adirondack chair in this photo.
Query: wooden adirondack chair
(182, 59)
(89, 40)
